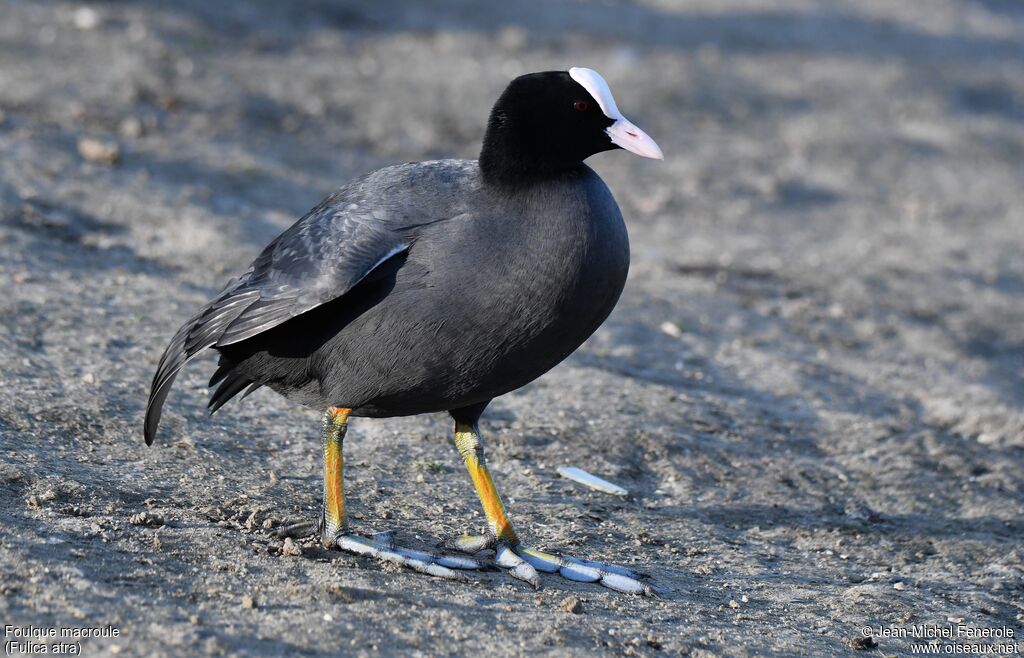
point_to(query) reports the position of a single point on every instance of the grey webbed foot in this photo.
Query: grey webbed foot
(524, 564)
(382, 547)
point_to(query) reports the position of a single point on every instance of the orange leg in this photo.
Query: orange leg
(334, 522)
(333, 525)
(523, 562)
(467, 440)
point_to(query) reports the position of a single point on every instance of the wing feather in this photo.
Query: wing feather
(319, 258)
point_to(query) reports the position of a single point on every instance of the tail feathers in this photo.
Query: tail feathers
(199, 333)
(249, 391)
(232, 385)
(172, 361)
(223, 370)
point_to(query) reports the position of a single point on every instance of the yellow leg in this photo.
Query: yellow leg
(334, 521)
(467, 440)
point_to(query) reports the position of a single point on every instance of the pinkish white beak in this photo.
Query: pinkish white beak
(623, 132)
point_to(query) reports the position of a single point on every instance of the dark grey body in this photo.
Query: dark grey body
(494, 290)
(416, 288)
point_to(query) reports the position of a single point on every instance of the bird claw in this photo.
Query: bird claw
(517, 567)
(305, 528)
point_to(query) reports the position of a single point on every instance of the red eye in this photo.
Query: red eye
(581, 106)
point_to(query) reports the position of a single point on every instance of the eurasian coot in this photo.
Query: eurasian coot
(435, 286)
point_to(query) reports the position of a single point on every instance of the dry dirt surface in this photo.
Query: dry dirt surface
(813, 387)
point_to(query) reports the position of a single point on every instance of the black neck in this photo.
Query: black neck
(523, 156)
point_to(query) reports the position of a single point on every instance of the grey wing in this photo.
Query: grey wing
(316, 263)
(320, 258)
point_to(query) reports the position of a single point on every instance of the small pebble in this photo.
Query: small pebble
(149, 519)
(131, 127)
(899, 586)
(340, 593)
(671, 329)
(249, 602)
(95, 150)
(251, 521)
(85, 18)
(860, 643)
(572, 605)
(291, 548)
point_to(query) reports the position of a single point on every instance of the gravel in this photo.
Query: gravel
(813, 387)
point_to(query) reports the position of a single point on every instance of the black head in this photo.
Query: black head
(545, 124)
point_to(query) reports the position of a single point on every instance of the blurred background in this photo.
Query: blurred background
(813, 385)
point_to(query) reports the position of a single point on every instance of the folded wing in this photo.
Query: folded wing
(320, 258)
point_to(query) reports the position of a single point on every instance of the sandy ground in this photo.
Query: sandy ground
(813, 386)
